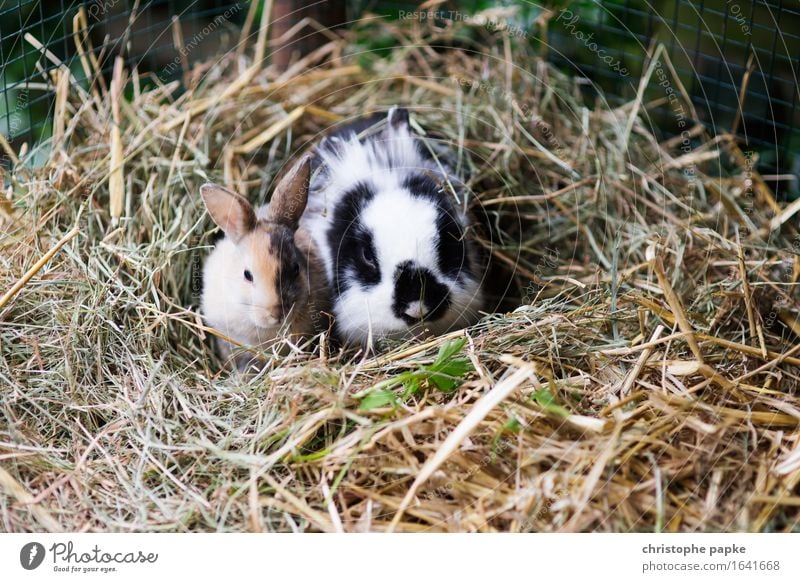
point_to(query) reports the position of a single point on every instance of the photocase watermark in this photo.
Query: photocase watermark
(487, 459)
(15, 121)
(549, 262)
(552, 142)
(749, 195)
(503, 26)
(785, 274)
(66, 558)
(423, 15)
(491, 24)
(546, 508)
(502, 445)
(679, 112)
(738, 17)
(492, 90)
(31, 555)
(527, 111)
(175, 64)
(569, 21)
(196, 272)
(101, 7)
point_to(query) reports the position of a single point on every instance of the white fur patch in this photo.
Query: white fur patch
(403, 227)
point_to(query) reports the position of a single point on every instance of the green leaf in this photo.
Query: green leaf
(411, 386)
(448, 377)
(447, 369)
(315, 456)
(447, 351)
(377, 399)
(457, 367)
(548, 402)
(443, 383)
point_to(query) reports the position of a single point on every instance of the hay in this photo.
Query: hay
(648, 381)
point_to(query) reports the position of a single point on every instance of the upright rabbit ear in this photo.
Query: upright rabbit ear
(398, 117)
(231, 211)
(291, 194)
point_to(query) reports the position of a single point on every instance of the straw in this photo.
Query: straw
(654, 296)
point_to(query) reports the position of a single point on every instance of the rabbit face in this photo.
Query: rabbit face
(271, 281)
(400, 260)
(256, 279)
(390, 220)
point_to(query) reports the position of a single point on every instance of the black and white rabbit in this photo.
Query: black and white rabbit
(388, 217)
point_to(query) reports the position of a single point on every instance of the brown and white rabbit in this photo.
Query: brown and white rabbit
(263, 277)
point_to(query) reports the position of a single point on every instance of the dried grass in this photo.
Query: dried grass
(648, 382)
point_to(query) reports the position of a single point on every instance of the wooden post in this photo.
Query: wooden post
(287, 13)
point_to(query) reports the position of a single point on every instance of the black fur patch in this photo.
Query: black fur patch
(290, 261)
(413, 283)
(216, 236)
(424, 186)
(357, 126)
(423, 150)
(399, 117)
(351, 242)
(451, 250)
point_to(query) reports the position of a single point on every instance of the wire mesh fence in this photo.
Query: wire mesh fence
(737, 62)
(38, 37)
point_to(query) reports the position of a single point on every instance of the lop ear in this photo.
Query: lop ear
(231, 211)
(291, 194)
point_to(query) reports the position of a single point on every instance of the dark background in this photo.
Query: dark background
(711, 43)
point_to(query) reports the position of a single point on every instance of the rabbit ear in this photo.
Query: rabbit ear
(398, 117)
(231, 211)
(291, 195)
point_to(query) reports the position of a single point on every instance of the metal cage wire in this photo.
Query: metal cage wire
(24, 66)
(712, 45)
(721, 50)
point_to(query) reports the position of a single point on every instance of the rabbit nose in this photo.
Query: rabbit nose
(417, 310)
(418, 294)
(268, 316)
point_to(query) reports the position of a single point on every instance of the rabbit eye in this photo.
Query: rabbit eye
(368, 258)
(295, 270)
(248, 275)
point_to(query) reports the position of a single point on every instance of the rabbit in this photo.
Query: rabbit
(264, 275)
(388, 216)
